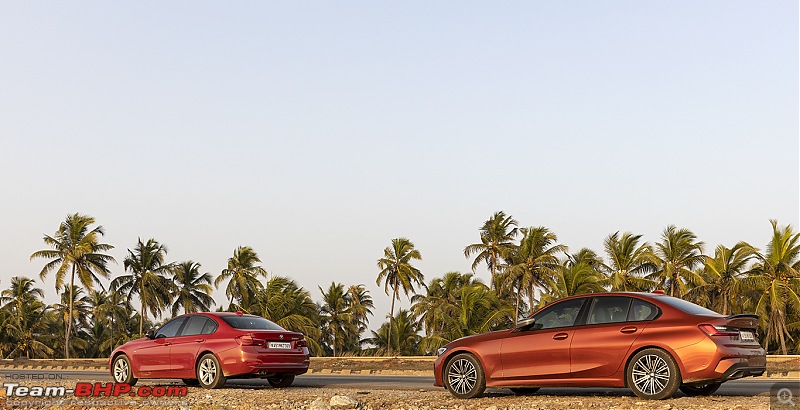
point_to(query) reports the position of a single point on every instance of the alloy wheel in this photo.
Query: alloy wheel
(462, 376)
(208, 371)
(121, 370)
(651, 374)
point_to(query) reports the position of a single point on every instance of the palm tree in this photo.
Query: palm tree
(243, 274)
(678, 253)
(291, 307)
(75, 247)
(775, 276)
(361, 306)
(406, 330)
(24, 331)
(193, 288)
(574, 276)
(533, 262)
(22, 291)
(722, 278)
(629, 263)
(148, 278)
(497, 241)
(397, 272)
(75, 312)
(336, 316)
(458, 305)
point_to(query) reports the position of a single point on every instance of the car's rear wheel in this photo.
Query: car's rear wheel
(190, 382)
(524, 391)
(704, 390)
(121, 370)
(653, 374)
(283, 380)
(464, 377)
(209, 372)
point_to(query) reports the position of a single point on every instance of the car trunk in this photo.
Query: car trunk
(278, 342)
(734, 331)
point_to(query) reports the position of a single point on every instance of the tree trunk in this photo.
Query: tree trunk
(494, 268)
(391, 319)
(141, 296)
(69, 316)
(516, 311)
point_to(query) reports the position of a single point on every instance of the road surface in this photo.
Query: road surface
(742, 387)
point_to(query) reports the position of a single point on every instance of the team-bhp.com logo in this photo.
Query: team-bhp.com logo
(93, 390)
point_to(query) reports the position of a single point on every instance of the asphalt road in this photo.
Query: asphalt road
(743, 387)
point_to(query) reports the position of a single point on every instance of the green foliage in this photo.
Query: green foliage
(243, 277)
(397, 273)
(497, 236)
(291, 307)
(406, 340)
(148, 278)
(193, 289)
(75, 247)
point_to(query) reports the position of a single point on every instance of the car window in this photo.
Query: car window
(250, 322)
(608, 309)
(641, 310)
(686, 306)
(562, 314)
(171, 328)
(209, 327)
(194, 326)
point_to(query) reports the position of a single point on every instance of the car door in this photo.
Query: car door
(612, 325)
(542, 351)
(153, 357)
(185, 346)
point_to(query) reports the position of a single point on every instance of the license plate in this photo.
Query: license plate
(280, 345)
(747, 336)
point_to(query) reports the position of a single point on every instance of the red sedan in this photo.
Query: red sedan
(206, 349)
(651, 343)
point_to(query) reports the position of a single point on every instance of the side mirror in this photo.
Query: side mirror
(524, 324)
(151, 334)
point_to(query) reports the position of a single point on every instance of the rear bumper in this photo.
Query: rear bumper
(255, 364)
(723, 364)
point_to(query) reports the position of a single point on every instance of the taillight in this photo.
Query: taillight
(249, 341)
(302, 343)
(712, 330)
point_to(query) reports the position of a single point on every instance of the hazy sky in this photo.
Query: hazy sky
(316, 132)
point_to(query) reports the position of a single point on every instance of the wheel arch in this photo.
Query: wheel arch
(203, 353)
(666, 349)
(130, 363)
(457, 352)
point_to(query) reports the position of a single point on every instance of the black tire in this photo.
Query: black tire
(121, 370)
(191, 382)
(704, 390)
(209, 372)
(524, 391)
(283, 380)
(463, 376)
(653, 374)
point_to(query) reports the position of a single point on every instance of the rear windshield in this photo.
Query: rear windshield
(685, 306)
(250, 322)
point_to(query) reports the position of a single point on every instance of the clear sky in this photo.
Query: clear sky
(317, 131)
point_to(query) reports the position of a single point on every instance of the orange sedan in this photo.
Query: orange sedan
(649, 342)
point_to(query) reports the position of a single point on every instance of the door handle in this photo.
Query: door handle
(199, 340)
(560, 336)
(628, 329)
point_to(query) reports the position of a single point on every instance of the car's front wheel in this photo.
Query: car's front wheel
(121, 369)
(704, 390)
(653, 374)
(209, 372)
(284, 380)
(464, 376)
